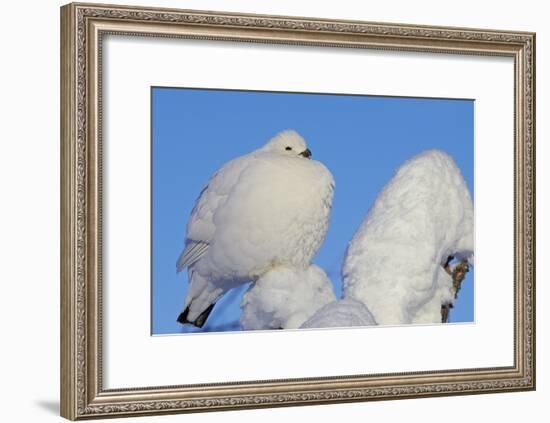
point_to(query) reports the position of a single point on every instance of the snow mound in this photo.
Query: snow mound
(284, 298)
(394, 262)
(341, 313)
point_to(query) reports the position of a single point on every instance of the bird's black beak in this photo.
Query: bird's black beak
(306, 153)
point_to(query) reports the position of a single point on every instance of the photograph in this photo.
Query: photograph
(289, 210)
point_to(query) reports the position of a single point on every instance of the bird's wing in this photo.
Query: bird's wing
(201, 227)
(191, 253)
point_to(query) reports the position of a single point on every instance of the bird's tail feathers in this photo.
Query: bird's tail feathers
(199, 322)
(200, 301)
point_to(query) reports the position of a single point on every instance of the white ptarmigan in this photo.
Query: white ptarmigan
(267, 208)
(395, 262)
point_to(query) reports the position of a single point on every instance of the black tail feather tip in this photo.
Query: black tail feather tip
(199, 321)
(182, 318)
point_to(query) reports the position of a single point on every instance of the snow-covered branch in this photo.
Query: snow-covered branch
(284, 298)
(395, 262)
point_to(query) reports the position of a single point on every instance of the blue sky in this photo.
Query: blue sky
(361, 139)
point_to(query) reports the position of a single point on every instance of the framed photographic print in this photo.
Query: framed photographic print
(265, 211)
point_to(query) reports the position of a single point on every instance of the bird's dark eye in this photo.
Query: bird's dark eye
(288, 148)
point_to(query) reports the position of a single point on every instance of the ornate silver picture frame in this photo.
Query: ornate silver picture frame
(83, 393)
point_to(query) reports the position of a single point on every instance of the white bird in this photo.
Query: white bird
(268, 208)
(285, 297)
(395, 262)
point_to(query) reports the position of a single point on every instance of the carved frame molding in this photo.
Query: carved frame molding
(82, 28)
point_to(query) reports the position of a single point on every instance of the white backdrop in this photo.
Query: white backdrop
(133, 64)
(30, 199)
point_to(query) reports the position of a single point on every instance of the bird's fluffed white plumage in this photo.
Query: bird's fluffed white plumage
(393, 264)
(268, 208)
(341, 314)
(285, 297)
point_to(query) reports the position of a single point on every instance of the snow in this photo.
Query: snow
(268, 208)
(285, 297)
(341, 313)
(422, 216)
